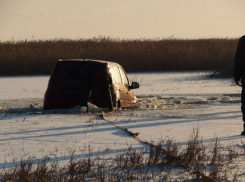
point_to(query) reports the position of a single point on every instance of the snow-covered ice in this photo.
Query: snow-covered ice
(170, 105)
(150, 84)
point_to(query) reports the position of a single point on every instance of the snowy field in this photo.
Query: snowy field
(170, 105)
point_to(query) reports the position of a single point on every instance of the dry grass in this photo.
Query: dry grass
(195, 161)
(38, 56)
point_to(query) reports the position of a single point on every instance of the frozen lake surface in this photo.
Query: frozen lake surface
(170, 105)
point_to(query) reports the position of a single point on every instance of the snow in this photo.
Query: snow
(182, 83)
(170, 105)
(150, 83)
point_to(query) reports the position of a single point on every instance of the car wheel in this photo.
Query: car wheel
(118, 105)
(109, 100)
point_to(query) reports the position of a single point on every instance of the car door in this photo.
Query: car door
(126, 94)
(121, 86)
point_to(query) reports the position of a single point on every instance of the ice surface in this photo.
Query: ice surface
(169, 105)
(151, 84)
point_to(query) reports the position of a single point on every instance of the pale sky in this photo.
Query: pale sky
(74, 19)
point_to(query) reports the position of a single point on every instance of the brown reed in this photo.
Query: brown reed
(32, 57)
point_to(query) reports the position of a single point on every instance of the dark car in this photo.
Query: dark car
(77, 82)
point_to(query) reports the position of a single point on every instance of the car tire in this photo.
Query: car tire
(109, 101)
(118, 105)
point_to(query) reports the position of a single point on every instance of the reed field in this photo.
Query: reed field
(35, 57)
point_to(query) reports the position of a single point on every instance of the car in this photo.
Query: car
(79, 81)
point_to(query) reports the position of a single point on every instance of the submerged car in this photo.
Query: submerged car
(77, 82)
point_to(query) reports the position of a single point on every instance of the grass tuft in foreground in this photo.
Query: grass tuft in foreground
(169, 161)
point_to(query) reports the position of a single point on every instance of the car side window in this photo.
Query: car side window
(116, 75)
(124, 77)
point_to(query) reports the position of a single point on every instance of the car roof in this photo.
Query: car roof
(100, 61)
